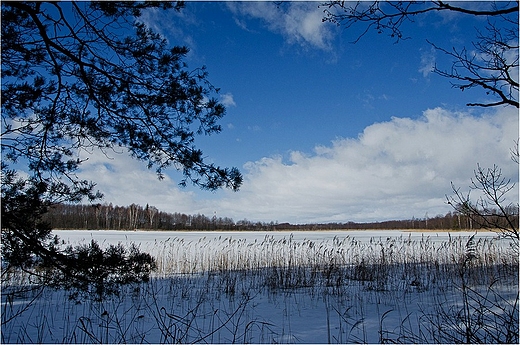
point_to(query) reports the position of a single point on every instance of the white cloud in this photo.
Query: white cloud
(124, 180)
(227, 100)
(299, 22)
(395, 169)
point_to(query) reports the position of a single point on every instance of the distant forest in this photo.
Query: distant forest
(107, 216)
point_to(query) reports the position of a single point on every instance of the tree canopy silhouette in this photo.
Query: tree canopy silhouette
(84, 76)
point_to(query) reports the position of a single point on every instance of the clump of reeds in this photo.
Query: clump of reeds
(381, 263)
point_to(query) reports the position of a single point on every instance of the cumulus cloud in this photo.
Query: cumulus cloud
(227, 100)
(393, 170)
(299, 22)
(124, 180)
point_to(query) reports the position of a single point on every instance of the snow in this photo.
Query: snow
(150, 237)
(282, 287)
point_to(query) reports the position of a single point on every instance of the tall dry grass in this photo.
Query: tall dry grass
(212, 290)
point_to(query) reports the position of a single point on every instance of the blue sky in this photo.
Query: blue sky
(323, 129)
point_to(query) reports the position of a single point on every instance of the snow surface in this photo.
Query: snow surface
(281, 287)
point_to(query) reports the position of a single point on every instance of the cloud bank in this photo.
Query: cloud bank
(393, 170)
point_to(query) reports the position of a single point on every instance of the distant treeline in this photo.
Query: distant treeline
(107, 216)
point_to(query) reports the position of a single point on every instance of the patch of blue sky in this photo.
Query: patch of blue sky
(288, 91)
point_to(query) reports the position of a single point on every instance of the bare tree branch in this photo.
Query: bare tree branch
(494, 66)
(490, 210)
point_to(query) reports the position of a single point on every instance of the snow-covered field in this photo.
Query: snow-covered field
(288, 287)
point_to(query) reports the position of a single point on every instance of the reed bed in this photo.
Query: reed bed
(391, 263)
(228, 290)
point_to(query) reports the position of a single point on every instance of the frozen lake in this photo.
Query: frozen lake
(150, 237)
(199, 251)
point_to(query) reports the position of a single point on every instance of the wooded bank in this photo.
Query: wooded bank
(110, 217)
